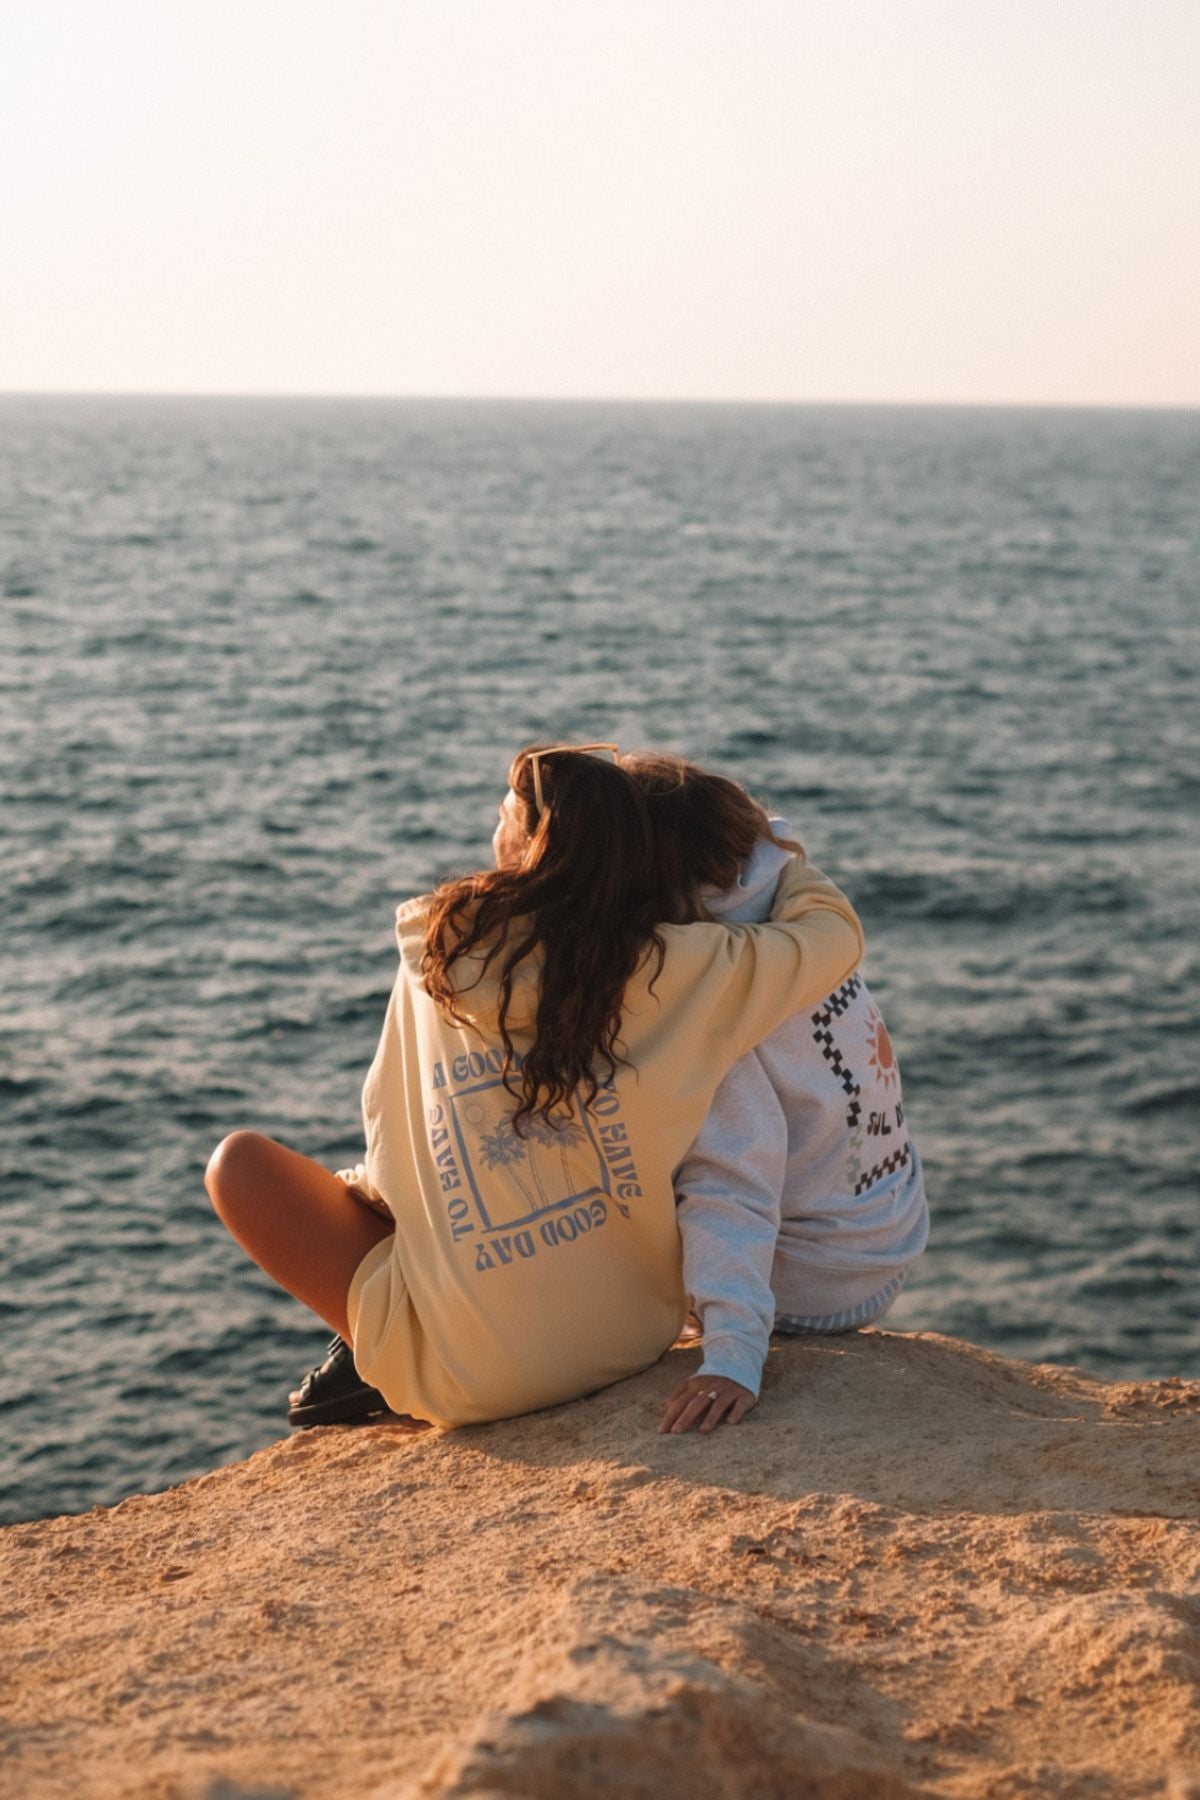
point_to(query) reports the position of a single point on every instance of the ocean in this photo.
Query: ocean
(264, 665)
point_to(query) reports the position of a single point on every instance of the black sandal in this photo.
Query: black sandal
(335, 1393)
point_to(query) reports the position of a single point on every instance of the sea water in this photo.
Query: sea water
(264, 665)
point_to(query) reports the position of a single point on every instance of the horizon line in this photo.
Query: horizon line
(590, 399)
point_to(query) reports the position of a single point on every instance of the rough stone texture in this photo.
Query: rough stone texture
(916, 1569)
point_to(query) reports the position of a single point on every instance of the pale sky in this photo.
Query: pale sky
(860, 200)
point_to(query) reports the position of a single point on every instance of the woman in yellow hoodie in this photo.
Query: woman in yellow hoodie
(551, 1047)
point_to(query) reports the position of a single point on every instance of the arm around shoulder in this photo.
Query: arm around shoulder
(812, 942)
(723, 988)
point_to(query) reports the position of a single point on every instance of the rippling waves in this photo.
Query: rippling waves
(269, 660)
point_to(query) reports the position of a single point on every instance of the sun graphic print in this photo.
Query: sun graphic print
(880, 1055)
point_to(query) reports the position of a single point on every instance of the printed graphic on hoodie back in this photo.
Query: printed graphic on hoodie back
(561, 1177)
(849, 1031)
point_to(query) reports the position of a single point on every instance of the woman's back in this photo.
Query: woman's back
(853, 1194)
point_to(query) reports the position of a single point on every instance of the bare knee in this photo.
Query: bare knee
(235, 1169)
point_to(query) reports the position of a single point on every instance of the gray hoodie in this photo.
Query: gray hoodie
(803, 1193)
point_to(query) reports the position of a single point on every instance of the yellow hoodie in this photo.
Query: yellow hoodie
(530, 1270)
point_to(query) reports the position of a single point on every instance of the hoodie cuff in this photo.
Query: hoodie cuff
(735, 1358)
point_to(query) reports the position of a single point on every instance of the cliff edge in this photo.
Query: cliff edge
(917, 1569)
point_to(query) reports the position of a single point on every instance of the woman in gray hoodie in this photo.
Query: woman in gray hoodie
(801, 1204)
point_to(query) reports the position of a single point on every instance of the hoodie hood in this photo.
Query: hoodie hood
(748, 902)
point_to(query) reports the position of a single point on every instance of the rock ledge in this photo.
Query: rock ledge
(917, 1569)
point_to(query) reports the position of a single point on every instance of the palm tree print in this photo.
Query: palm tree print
(502, 1149)
(563, 1135)
(524, 1156)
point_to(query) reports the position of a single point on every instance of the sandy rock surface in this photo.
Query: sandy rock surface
(918, 1569)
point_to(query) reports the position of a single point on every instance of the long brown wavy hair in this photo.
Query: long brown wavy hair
(619, 849)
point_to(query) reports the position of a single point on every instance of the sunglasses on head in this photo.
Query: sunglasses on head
(535, 760)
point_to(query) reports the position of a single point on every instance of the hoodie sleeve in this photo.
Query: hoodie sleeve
(731, 986)
(728, 1192)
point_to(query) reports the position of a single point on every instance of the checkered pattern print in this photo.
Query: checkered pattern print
(838, 1001)
(834, 1008)
(897, 1160)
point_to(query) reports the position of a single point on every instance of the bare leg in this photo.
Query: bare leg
(299, 1222)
